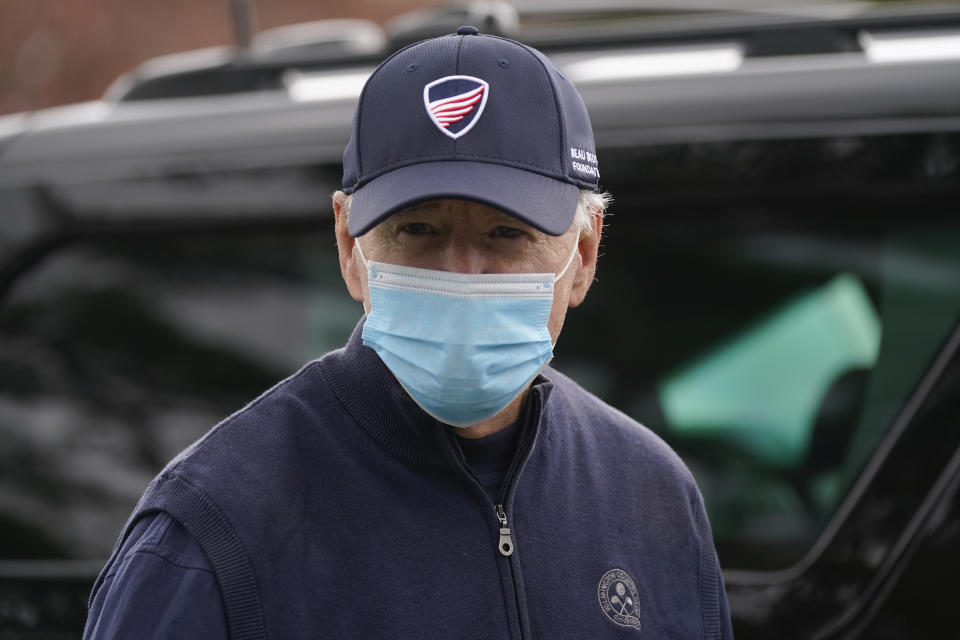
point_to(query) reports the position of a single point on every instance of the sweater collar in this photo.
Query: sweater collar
(375, 400)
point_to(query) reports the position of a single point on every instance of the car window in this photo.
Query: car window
(766, 327)
(118, 351)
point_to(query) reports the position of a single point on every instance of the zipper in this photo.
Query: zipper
(505, 546)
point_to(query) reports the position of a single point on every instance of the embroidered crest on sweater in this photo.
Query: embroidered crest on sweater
(619, 598)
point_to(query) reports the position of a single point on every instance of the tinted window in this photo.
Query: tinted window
(118, 352)
(768, 308)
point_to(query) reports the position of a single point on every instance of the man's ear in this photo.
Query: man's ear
(589, 248)
(350, 264)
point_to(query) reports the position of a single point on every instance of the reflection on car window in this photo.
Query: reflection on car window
(743, 388)
(116, 354)
(772, 352)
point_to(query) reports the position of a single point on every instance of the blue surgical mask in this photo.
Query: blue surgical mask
(462, 346)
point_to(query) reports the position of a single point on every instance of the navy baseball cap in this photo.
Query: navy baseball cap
(475, 117)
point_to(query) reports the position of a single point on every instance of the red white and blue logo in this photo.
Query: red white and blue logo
(455, 103)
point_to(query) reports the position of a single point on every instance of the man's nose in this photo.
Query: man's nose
(460, 255)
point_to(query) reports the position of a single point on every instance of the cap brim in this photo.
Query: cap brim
(544, 203)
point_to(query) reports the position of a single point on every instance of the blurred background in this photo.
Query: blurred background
(54, 52)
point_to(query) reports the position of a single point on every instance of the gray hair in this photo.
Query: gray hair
(591, 203)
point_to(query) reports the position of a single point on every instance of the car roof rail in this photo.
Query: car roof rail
(761, 33)
(494, 17)
(260, 66)
(272, 54)
(319, 40)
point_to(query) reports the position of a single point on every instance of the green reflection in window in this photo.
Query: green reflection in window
(763, 388)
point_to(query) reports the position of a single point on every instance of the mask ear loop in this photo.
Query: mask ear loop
(556, 278)
(363, 258)
(576, 245)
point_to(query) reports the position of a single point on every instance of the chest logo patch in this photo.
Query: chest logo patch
(619, 598)
(455, 103)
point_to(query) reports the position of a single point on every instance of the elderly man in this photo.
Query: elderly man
(433, 478)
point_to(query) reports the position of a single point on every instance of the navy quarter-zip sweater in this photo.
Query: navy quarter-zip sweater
(334, 507)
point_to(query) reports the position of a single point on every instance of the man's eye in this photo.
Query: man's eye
(416, 228)
(508, 232)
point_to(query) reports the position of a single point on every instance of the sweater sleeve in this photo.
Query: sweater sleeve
(162, 587)
(713, 593)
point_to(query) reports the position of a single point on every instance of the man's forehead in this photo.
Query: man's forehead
(453, 206)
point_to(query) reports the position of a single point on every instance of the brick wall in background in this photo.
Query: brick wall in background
(55, 52)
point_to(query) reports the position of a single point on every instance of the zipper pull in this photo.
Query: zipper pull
(505, 546)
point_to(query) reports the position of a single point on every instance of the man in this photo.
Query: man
(433, 478)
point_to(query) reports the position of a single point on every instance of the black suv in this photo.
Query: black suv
(778, 298)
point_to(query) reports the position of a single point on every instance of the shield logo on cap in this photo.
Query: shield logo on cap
(455, 103)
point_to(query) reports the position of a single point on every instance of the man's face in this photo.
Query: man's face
(467, 237)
